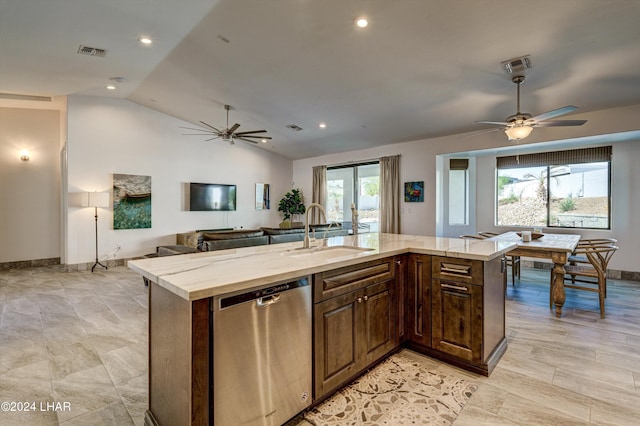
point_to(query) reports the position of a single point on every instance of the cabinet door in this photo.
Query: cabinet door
(418, 308)
(457, 319)
(378, 327)
(337, 346)
(400, 298)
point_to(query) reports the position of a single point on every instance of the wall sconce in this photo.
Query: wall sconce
(24, 155)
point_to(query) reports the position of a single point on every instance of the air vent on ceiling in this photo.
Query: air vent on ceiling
(18, 97)
(294, 127)
(517, 65)
(92, 51)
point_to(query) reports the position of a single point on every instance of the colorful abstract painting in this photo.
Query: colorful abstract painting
(414, 192)
(131, 201)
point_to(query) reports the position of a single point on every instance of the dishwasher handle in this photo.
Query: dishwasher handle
(263, 302)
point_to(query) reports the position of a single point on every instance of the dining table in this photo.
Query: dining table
(556, 247)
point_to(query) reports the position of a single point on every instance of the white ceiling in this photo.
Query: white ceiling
(422, 69)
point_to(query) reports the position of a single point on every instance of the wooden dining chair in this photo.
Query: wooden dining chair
(592, 276)
(574, 258)
(512, 261)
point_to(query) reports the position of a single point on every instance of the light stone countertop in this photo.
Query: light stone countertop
(201, 275)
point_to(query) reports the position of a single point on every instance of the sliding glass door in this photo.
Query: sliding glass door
(358, 185)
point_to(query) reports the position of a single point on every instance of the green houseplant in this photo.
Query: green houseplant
(291, 204)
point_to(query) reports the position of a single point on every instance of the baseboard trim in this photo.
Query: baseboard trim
(614, 274)
(34, 263)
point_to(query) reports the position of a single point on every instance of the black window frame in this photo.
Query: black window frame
(554, 159)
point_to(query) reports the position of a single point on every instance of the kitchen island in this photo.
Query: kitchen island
(372, 293)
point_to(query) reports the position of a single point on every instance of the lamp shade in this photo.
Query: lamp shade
(516, 133)
(94, 199)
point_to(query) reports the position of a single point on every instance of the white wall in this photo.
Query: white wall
(29, 190)
(107, 136)
(419, 161)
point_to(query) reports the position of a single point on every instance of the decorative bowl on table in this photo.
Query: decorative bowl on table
(534, 235)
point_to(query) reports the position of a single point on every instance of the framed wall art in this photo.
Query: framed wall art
(414, 192)
(131, 201)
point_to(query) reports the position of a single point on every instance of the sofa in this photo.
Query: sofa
(220, 239)
(277, 235)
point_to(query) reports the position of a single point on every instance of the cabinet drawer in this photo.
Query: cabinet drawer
(458, 270)
(350, 278)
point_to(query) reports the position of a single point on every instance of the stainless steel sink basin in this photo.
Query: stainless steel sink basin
(325, 252)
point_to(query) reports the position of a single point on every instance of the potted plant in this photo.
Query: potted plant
(291, 204)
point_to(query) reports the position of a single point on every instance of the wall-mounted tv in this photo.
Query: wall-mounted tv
(212, 197)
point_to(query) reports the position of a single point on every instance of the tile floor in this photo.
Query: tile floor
(81, 338)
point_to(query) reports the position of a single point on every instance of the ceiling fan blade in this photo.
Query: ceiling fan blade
(498, 123)
(554, 113)
(252, 136)
(481, 132)
(211, 127)
(251, 131)
(233, 128)
(197, 134)
(560, 123)
(246, 140)
(193, 128)
(216, 137)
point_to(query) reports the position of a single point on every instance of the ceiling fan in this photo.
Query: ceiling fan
(520, 125)
(228, 134)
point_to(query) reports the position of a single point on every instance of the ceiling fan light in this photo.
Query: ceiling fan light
(516, 133)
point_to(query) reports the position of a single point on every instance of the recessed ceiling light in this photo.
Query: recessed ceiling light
(145, 40)
(263, 141)
(111, 87)
(322, 125)
(362, 22)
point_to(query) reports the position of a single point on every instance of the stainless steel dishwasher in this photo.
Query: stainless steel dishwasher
(262, 354)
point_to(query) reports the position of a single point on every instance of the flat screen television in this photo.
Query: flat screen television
(212, 197)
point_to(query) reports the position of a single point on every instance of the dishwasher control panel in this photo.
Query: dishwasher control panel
(226, 302)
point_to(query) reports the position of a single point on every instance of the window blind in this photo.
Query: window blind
(555, 158)
(458, 164)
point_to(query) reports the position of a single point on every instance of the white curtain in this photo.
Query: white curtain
(390, 194)
(319, 194)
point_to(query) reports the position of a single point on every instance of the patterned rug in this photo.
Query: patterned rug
(399, 391)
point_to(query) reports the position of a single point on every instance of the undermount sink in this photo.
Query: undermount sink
(325, 252)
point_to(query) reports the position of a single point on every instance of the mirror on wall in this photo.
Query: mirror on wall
(262, 196)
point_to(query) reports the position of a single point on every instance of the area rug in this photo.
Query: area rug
(399, 391)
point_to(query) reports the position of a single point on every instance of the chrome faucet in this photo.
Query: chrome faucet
(306, 243)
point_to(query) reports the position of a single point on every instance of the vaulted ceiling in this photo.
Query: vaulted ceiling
(421, 68)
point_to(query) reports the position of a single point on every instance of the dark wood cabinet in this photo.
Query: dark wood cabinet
(467, 311)
(418, 300)
(457, 319)
(402, 265)
(354, 329)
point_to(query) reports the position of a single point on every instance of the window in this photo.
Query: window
(354, 184)
(563, 189)
(458, 191)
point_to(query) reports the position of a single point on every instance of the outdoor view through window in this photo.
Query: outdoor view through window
(360, 185)
(570, 196)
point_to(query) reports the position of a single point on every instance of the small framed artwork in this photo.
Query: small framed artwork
(414, 192)
(262, 196)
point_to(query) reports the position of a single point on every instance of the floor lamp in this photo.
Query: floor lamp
(95, 200)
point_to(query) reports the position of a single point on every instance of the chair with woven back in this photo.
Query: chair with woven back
(574, 258)
(512, 261)
(591, 275)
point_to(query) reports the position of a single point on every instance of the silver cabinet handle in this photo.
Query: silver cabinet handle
(366, 298)
(359, 299)
(453, 287)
